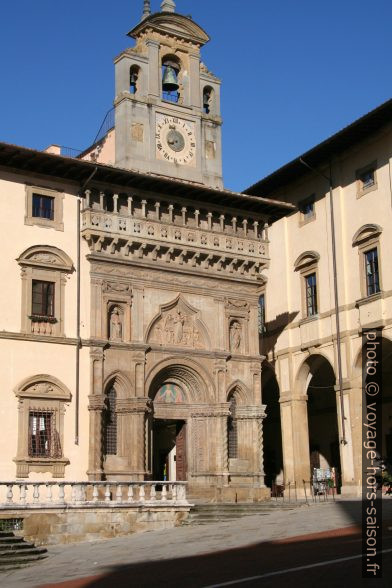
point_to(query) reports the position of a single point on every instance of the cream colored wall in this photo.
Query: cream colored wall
(104, 151)
(21, 359)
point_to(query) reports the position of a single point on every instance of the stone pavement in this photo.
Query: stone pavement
(91, 559)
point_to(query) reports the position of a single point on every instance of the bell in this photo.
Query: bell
(169, 82)
(133, 83)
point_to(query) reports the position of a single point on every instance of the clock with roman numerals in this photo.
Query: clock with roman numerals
(175, 140)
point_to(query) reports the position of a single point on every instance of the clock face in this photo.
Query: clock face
(175, 140)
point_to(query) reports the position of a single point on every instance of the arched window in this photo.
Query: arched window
(232, 433)
(208, 100)
(109, 427)
(134, 75)
(171, 67)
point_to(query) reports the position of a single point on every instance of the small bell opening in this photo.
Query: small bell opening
(170, 84)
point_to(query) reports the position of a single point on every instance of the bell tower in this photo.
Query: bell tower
(167, 104)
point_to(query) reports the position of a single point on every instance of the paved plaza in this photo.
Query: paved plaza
(139, 555)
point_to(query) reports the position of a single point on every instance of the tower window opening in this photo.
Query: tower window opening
(207, 99)
(133, 79)
(170, 85)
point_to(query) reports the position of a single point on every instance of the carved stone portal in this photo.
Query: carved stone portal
(179, 324)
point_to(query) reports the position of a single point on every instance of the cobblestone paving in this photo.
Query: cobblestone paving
(67, 562)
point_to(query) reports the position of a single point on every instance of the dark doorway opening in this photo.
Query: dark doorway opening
(169, 450)
(272, 431)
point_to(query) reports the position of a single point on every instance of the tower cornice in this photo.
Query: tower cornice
(173, 24)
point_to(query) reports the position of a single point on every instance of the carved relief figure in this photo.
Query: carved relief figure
(116, 326)
(235, 336)
(179, 322)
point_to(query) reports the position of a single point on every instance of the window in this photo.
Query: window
(366, 179)
(43, 289)
(232, 433)
(311, 294)
(307, 210)
(42, 299)
(371, 272)
(170, 78)
(43, 206)
(110, 423)
(208, 99)
(42, 401)
(261, 315)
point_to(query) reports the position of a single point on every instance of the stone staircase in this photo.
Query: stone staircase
(15, 552)
(203, 514)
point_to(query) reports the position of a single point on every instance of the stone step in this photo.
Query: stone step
(6, 534)
(203, 514)
(18, 560)
(10, 554)
(16, 546)
(15, 552)
(11, 539)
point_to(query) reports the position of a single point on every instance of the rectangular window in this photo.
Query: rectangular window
(307, 209)
(372, 272)
(261, 315)
(311, 295)
(367, 179)
(40, 433)
(43, 206)
(42, 298)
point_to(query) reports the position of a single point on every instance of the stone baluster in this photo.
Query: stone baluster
(9, 493)
(130, 493)
(222, 222)
(73, 492)
(245, 226)
(102, 200)
(256, 229)
(144, 210)
(234, 224)
(164, 493)
(142, 494)
(265, 236)
(49, 496)
(119, 494)
(130, 206)
(95, 493)
(171, 212)
(22, 494)
(174, 493)
(61, 497)
(115, 203)
(157, 210)
(35, 492)
(87, 199)
(107, 493)
(183, 212)
(209, 220)
(153, 494)
(197, 214)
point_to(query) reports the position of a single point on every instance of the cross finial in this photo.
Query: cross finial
(146, 9)
(168, 6)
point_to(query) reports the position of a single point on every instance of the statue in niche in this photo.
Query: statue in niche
(116, 326)
(169, 329)
(235, 336)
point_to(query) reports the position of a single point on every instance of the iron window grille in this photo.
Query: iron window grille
(44, 440)
(110, 424)
(43, 206)
(232, 432)
(261, 315)
(311, 295)
(42, 299)
(372, 272)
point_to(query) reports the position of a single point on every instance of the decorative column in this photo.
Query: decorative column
(250, 439)
(96, 406)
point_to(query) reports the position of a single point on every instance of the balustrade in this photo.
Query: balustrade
(25, 494)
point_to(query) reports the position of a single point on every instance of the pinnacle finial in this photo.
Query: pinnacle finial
(168, 6)
(146, 9)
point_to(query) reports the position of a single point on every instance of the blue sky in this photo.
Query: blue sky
(294, 72)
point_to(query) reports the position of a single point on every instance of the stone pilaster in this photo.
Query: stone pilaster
(295, 439)
(132, 414)
(96, 406)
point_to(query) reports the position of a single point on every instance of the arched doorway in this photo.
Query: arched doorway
(272, 430)
(324, 451)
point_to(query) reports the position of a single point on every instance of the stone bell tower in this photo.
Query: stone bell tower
(167, 104)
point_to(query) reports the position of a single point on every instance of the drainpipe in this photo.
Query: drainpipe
(78, 339)
(336, 292)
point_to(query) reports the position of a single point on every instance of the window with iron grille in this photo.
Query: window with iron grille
(110, 424)
(372, 272)
(261, 315)
(43, 206)
(311, 295)
(232, 432)
(367, 179)
(42, 298)
(43, 437)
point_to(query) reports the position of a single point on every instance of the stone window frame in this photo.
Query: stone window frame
(304, 219)
(49, 264)
(46, 393)
(307, 264)
(361, 190)
(58, 221)
(366, 239)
